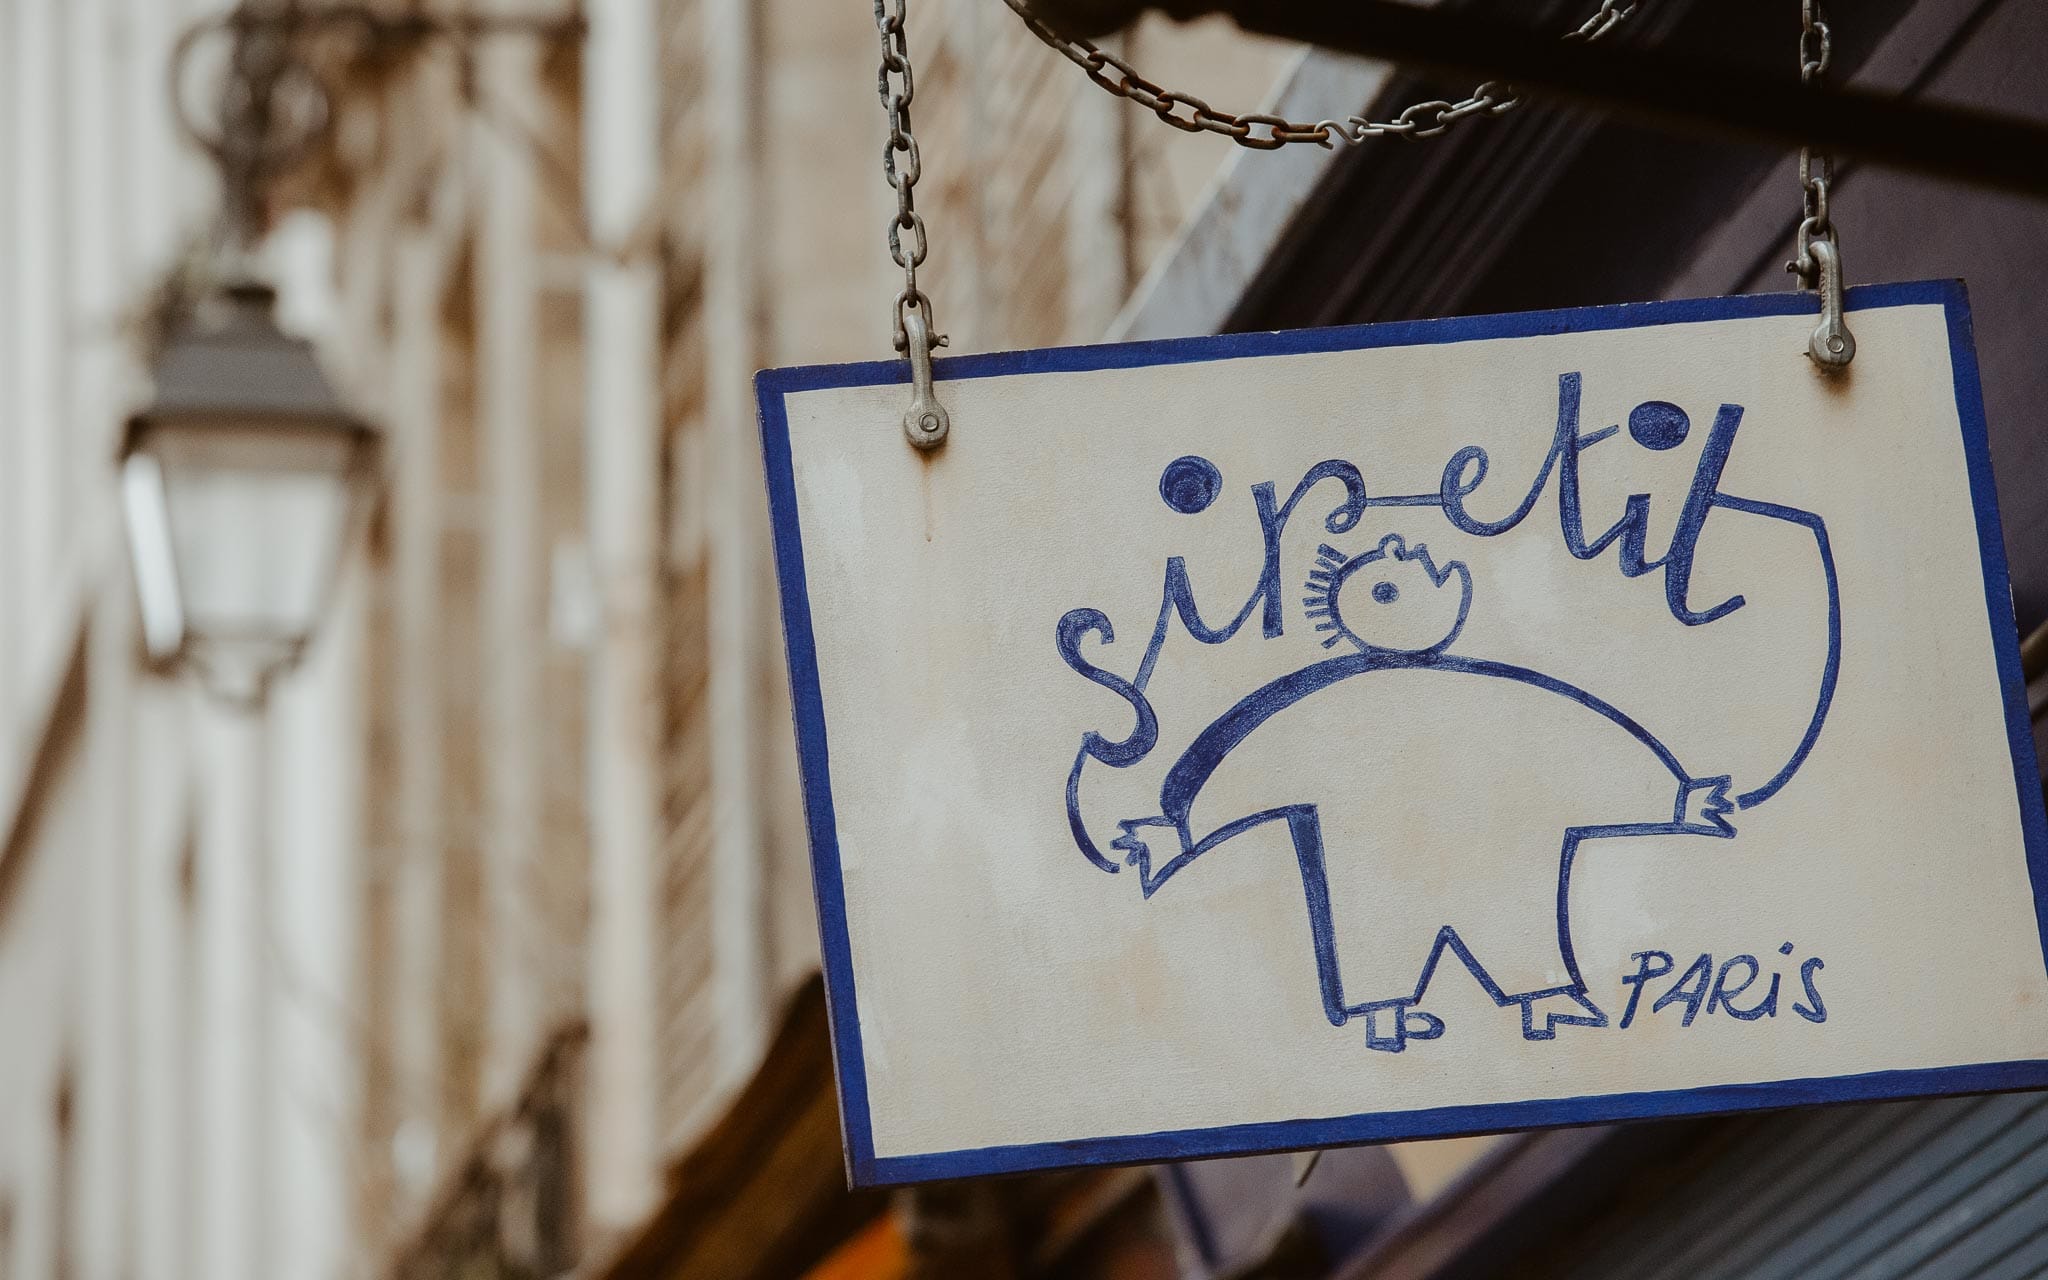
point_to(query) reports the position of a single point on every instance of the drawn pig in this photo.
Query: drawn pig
(1394, 766)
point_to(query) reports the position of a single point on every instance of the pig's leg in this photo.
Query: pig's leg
(1389, 1024)
(1544, 1011)
(1305, 825)
(1514, 952)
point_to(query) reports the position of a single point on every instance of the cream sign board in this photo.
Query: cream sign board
(1289, 740)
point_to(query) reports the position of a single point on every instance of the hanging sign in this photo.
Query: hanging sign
(1288, 740)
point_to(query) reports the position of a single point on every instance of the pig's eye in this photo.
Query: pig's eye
(1386, 593)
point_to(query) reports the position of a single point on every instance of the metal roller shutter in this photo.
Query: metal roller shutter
(1942, 1190)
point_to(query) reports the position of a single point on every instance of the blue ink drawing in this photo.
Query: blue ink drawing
(1391, 614)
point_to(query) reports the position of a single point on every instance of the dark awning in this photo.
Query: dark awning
(763, 1193)
(1647, 83)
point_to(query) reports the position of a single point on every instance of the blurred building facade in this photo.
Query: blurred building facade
(587, 925)
(532, 877)
(135, 1135)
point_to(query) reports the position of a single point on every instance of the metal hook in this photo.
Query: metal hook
(1832, 346)
(925, 422)
(1818, 262)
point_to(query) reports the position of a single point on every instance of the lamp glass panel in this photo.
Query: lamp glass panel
(257, 514)
(149, 545)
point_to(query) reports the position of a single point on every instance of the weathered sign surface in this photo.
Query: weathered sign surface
(1296, 739)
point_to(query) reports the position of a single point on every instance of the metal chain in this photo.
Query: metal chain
(1270, 132)
(911, 315)
(1816, 50)
(1817, 260)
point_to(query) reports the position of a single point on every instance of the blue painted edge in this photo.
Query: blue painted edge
(1445, 1122)
(814, 774)
(1357, 337)
(866, 1169)
(1962, 353)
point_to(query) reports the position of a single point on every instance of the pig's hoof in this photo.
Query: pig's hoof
(1391, 1024)
(1567, 1008)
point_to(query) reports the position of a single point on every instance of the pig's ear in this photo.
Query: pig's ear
(1457, 569)
(1394, 545)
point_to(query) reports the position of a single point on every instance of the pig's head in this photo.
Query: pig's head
(1392, 599)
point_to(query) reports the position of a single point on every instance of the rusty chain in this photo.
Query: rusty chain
(1263, 132)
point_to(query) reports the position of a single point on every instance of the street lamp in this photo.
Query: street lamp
(241, 483)
(244, 478)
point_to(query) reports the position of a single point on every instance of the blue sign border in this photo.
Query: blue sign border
(866, 1169)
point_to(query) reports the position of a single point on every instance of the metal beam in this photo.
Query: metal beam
(1666, 88)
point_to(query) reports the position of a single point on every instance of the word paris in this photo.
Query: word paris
(1291, 740)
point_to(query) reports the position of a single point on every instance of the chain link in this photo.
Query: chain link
(1816, 171)
(1817, 260)
(1269, 132)
(902, 167)
(910, 317)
